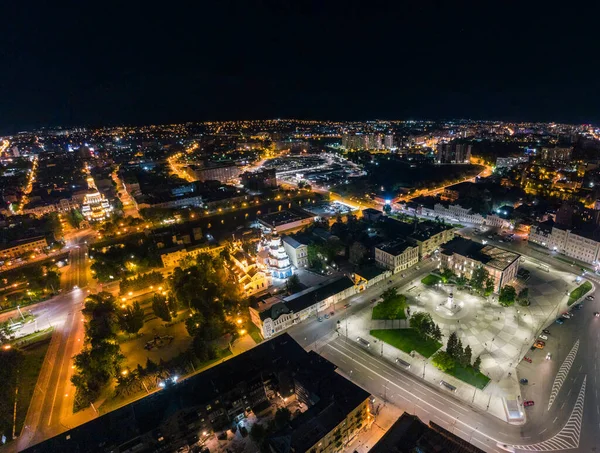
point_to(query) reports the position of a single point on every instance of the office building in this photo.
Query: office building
(259, 180)
(463, 256)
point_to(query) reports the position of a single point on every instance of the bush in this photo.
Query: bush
(443, 361)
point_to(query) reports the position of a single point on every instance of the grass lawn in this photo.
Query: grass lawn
(407, 340)
(470, 376)
(379, 312)
(578, 292)
(33, 358)
(430, 280)
(254, 333)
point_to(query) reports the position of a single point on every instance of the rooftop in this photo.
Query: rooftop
(281, 217)
(489, 255)
(396, 247)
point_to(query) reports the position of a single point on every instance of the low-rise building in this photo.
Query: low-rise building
(397, 255)
(463, 256)
(297, 252)
(251, 277)
(172, 257)
(285, 220)
(579, 244)
(18, 248)
(278, 314)
(429, 236)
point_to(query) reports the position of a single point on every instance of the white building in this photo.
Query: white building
(397, 255)
(297, 252)
(579, 245)
(95, 206)
(278, 314)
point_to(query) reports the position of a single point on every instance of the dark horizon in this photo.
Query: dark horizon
(144, 64)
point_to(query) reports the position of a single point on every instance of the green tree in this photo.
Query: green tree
(194, 323)
(131, 318)
(161, 308)
(461, 281)
(460, 352)
(466, 358)
(358, 252)
(452, 346)
(293, 284)
(282, 418)
(446, 275)
(443, 361)
(437, 333)
(422, 323)
(258, 434)
(387, 208)
(523, 295)
(507, 296)
(489, 287)
(477, 363)
(479, 278)
(100, 311)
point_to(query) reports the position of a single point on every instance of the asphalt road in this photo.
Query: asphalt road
(52, 400)
(547, 428)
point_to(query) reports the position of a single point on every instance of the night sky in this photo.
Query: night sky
(103, 63)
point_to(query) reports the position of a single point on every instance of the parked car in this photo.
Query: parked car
(546, 331)
(527, 359)
(596, 314)
(319, 319)
(524, 381)
(567, 315)
(548, 356)
(347, 306)
(560, 321)
(539, 344)
(543, 337)
(528, 403)
(590, 297)
(326, 316)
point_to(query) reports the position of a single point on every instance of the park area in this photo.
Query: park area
(408, 340)
(393, 306)
(431, 280)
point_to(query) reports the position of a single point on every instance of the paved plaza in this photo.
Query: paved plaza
(500, 336)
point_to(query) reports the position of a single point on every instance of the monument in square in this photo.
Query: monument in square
(450, 307)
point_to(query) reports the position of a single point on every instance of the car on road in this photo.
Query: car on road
(347, 306)
(326, 316)
(578, 307)
(539, 344)
(560, 321)
(567, 315)
(596, 314)
(528, 403)
(523, 381)
(546, 331)
(542, 337)
(590, 297)
(548, 356)
(320, 319)
(527, 359)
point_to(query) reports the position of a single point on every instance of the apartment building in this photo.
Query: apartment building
(579, 244)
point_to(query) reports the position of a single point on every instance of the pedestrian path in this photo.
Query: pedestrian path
(569, 435)
(562, 373)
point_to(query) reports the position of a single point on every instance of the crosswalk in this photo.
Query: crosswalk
(562, 373)
(569, 435)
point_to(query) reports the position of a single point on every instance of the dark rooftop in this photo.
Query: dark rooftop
(396, 247)
(486, 254)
